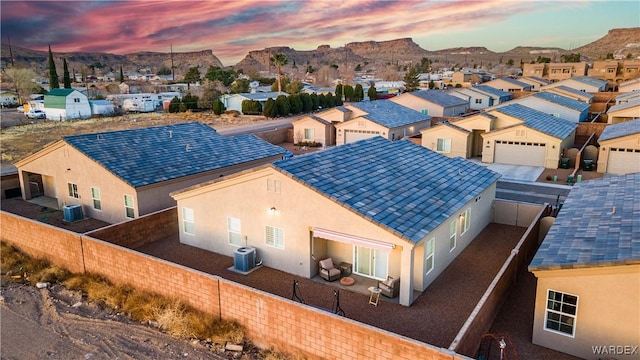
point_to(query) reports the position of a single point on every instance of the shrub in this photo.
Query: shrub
(549, 177)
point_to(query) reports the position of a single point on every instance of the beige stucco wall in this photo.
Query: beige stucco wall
(321, 132)
(608, 310)
(299, 209)
(460, 142)
(418, 104)
(409, 130)
(623, 115)
(334, 115)
(476, 122)
(625, 142)
(553, 146)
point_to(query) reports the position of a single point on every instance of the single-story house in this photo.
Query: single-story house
(380, 118)
(556, 105)
(8, 98)
(448, 139)
(583, 83)
(620, 148)
(623, 112)
(395, 211)
(535, 138)
(629, 85)
(477, 100)
(498, 96)
(120, 175)
(66, 104)
(571, 93)
(234, 101)
(508, 84)
(624, 98)
(435, 103)
(588, 272)
(312, 128)
(534, 81)
(102, 107)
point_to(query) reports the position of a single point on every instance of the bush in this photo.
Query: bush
(549, 177)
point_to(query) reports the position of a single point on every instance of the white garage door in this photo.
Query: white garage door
(623, 161)
(355, 135)
(519, 153)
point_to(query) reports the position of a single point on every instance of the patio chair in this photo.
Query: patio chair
(328, 271)
(390, 287)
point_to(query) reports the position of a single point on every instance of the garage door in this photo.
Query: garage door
(355, 135)
(623, 161)
(519, 153)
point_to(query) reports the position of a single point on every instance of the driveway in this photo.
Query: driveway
(517, 172)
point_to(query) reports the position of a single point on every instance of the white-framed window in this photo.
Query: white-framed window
(273, 185)
(430, 250)
(443, 145)
(188, 221)
(129, 208)
(95, 196)
(466, 220)
(76, 100)
(521, 132)
(453, 233)
(425, 111)
(309, 134)
(478, 101)
(561, 313)
(73, 190)
(274, 236)
(234, 228)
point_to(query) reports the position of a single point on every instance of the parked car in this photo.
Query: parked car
(20, 108)
(36, 114)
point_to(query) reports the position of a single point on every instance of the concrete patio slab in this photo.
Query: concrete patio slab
(517, 172)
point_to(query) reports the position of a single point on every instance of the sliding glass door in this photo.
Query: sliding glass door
(370, 263)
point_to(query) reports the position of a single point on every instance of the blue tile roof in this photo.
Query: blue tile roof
(439, 97)
(502, 95)
(453, 126)
(601, 84)
(622, 106)
(150, 155)
(516, 82)
(620, 129)
(389, 114)
(571, 90)
(539, 80)
(570, 103)
(588, 232)
(401, 186)
(629, 95)
(538, 120)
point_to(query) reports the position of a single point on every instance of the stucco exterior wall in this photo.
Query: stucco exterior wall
(607, 313)
(321, 131)
(476, 122)
(551, 108)
(408, 130)
(359, 124)
(334, 115)
(623, 115)
(418, 104)
(460, 142)
(625, 142)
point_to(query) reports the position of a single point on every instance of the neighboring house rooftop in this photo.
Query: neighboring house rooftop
(401, 186)
(599, 225)
(150, 155)
(515, 82)
(628, 95)
(539, 80)
(440, 98)
(571, 90)
(60, 92)
(316, 118)
(493, 91)
(389, 114)
(622, 106)
(453, 126)
(540, 121)
(591, 81)
(621, 129)
(563, 101)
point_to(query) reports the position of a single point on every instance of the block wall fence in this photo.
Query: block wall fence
(269, 321)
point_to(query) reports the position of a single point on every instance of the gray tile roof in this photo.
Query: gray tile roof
(627, 105)
(502, 95)
(539, 80)
(154, 154)
(571, 90)
(570, 103)
(401, 186)
(453, 126)
(620, 129)
(629, 95)
(439, 97)
(319, 119)
(591, 81)
(515, 82)
(538, 120)
(389, 114)
(588, 232)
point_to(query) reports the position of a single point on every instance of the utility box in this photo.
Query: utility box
(244, 259)
(72, 213)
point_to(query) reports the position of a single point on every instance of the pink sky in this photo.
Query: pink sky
(233, 28)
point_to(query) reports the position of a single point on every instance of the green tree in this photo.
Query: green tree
(412, 79)
(358, 67)
(629, 56)
(294, 87)
(609, 56)
(192, 76)
(226, 77)
(66, 79)
(279, 60)
(190, 101)
(425, 65)
(218, 107)
(295, 103)
(162, 71)
(358, 93)
(54, 83)
(121, 75)
(315, 101)
(270, 110)
(240, 86)
(282, 104)
(339, 91)
(348, 93)
(307, 103)
(542, 59)
(510, 62)
(251, 107)
(372, 93)
(570, 58)
(174, 105)
(432, 85)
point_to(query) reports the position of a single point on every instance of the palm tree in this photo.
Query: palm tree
(279, 60)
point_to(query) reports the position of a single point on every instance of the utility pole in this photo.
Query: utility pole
(10, 51)
(173, 68)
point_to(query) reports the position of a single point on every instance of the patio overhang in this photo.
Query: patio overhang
(351, 239)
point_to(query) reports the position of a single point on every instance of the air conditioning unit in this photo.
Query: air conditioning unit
(72, 213)
(244, 258)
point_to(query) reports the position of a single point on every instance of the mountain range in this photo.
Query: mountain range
(371, 54)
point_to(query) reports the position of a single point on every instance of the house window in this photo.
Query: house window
(425, 111)
(233, 226)
(444, 146)
(521, 133)
(73, 190)
(362, 124)
(76, 100)
(478, 101)
(466, 220)
(430, 253)
(274, 237)
(273, 185)
(309, 134)
(129, 210)
(561, 313)
(95, 196)
(188, 221)
(453, 230)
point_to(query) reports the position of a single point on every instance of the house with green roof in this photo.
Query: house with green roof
(120, 175)
(66, 104)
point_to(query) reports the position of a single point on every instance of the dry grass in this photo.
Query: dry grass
(18, 266)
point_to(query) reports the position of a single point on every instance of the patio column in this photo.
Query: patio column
(406, 276)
